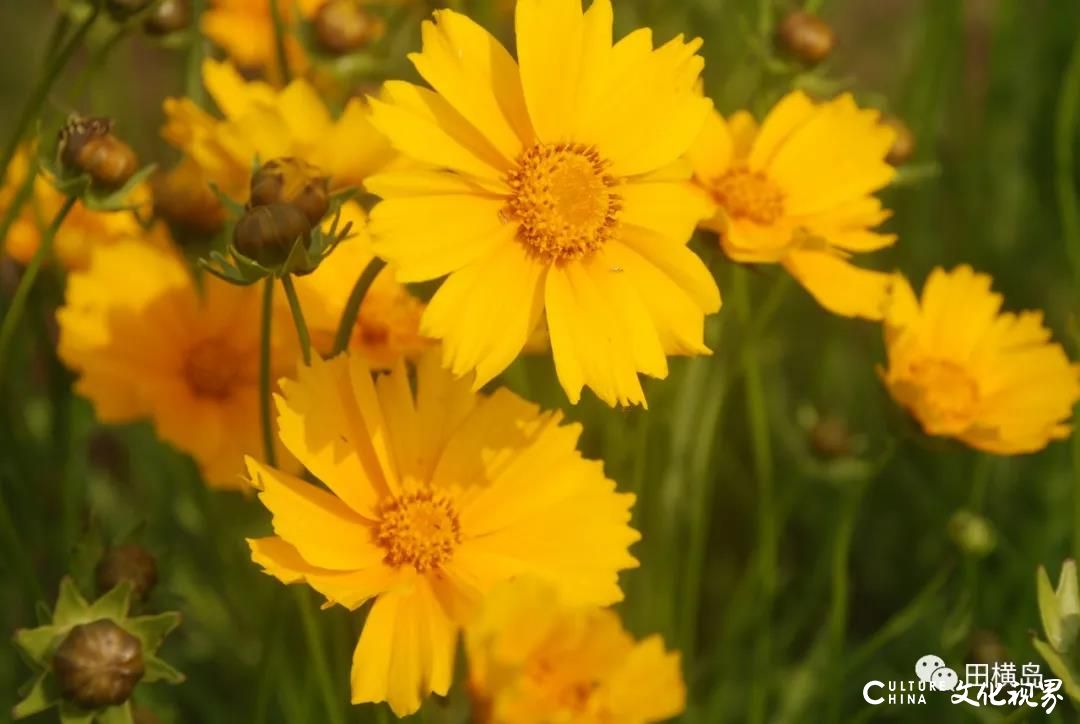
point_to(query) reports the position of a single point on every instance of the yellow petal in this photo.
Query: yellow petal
(677, 262)
(485, 312)
(785, 117)
(713, 152)
(549, 48)
(472, 70)
(840, 287)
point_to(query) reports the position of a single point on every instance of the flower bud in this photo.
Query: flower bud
(266, 234)
(344, 26)
(121, 10)
(903, 147)
(183, 198)
(87, 145)
(805, 37)
(295, 182)
(985, 647)
(98, 665)
(972, 533)
(830, 438)
(127, 563)
(168, 16)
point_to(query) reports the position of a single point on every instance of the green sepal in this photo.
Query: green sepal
(114, 604)
(71, 714)
(71, 607)
(152, 630)
(120, 714)
(37, 696)
(38, 643)
(1061, 668)
(158, 670)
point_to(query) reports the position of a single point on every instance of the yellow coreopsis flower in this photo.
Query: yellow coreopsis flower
(82, 228)
(553, 189)
(535, 660)
(965, 370)
(264, 123)
(798, 191)
(434, 497)
(245, 30)
(387, 327)
(147, 343)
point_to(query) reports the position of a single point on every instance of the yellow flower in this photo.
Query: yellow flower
(245, 30)
(552, 187)
(82, 229)
(433, 498)
(387, 328)
(146, 343)
(264, 123)
(798, 191)
(535, 660)
(965, 370)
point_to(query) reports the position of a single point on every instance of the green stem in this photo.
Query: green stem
(840, 577)
(279, 42)
(41, 90)
(317, 650)
(22, 292)
(193, 86)
(298, 317)
(264, 372)
(17, 552)
(26, 190)
(352, 307)
(767, 544)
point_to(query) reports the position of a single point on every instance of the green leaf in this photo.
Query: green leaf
(158, 670)
(117, 714)
(118, 200)
(152, 630)
(1068, 601)
(114, 604)
(40, 697)
(1048, 607)
(39, 642)
(71, 607)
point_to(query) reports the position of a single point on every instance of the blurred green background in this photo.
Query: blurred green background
(787, 579)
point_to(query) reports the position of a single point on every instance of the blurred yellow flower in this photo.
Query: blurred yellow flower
(264, 123)
(148, 342)
(798, 191)
(433, 498)
(965, 370)
(82, 229)
(535, 660)
(387, 328)
(244, 29)
(553, 188)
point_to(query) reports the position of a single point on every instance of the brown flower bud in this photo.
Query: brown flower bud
(266, 234)
(806, 37)
(903, 147)
(184, 199)
(344, 26)
(88, 145)
(830, 438)
(292, 181)
(97, 665)
(985, 647)
(127, 563)
(123, 9)
(168, 16)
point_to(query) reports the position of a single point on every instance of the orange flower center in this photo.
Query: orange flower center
(947, 393)
(562, 199)
(212, 369)
(419, 529)
(746, 194)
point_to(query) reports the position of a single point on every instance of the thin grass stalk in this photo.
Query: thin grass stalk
(264, 372)
(18, 303)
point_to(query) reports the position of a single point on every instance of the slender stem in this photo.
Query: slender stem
(317, 651)
(193, 86)
(1065, 125)
(264, 372)
(279, 42)
(41, 90)
(18, 303)
(26, 190)
(840, 578)
(758, 424)
(16, 550)
(298, 317)
(352, 307)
